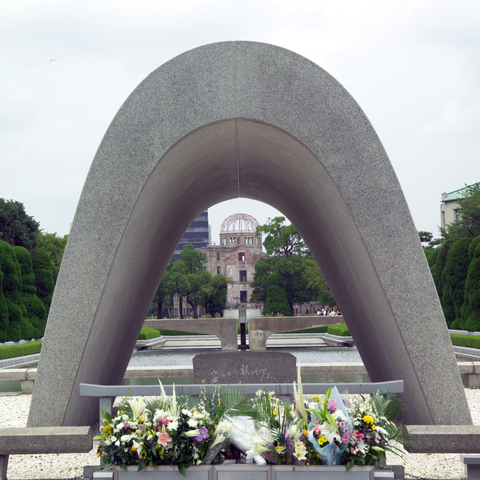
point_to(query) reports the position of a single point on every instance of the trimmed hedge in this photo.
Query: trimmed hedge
(149, 333)
(175, 333)
(341, 330)
(12, 351)
(322, 329)
(472, 341)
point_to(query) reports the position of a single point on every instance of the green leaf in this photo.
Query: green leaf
(181, 469)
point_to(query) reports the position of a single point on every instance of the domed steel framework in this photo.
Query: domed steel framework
(239, 222)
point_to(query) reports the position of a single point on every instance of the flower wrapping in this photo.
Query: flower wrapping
(247, 439)
(331, 428)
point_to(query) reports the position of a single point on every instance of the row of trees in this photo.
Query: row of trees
(188, 280)
(29, 261)
(454, 261)
(289, 275)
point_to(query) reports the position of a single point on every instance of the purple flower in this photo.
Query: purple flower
(126, 426)
(203, 434)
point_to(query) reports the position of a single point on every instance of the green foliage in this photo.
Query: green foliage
(453, 279)
(188, 278)
(16, 227)
(289, 256)
(215, 295)
(440, 263)
(425, 237)
(12, 351)
(35, 313)
(431, 255)
(263, 268)
(282, 240)
(317, 284)
(276, 297)
(178, 333)
(45, 273)
(53, 245)
(341, 330)
(472, 341)
(471, 308)
(148, 333)
(322, 329)
(11, 286)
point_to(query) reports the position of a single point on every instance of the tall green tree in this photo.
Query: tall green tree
(12, 293)
(276, 301)
(317, 284)
(16, 227)
(188, 279)
(35, 313)
(453, 279)
(288, 256)
(45, 274)
(214, 295)
(282, 240)
(471, 307)
(53, 245)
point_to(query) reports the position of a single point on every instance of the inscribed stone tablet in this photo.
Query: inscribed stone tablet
(244, 367)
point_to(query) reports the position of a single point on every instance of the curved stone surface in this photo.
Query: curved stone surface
(252, 120)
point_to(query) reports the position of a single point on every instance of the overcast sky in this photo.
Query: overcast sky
(67, 67)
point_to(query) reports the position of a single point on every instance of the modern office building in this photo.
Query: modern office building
(197, 234)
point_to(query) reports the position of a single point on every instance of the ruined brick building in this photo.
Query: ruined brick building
(240, 248)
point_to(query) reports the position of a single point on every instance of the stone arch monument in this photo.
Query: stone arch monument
(243, 119)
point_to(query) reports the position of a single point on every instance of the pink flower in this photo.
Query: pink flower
(345, 438)
(317, 429)
(332, 404)
(163, 437)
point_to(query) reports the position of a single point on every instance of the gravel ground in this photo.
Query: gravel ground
(14, 412)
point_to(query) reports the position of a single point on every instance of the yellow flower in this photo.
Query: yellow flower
(373, 427)
(322, 440)
(275, 413)
(133, 449)
(368, 419)
(278, 448)
(143, 454)
(305, 432)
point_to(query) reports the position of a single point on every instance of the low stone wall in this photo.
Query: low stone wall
(26, 376)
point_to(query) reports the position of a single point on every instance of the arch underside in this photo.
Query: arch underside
(309, 152)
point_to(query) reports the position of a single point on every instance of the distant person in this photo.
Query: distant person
(318, 312)
(306, 313)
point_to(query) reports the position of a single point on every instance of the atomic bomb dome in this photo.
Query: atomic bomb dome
(240, 248)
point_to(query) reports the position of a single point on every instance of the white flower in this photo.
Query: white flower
(124, 417)
(137, 405)
(138, 447)
(192, 423)
(119, 427)
(172, 426)
(223, 427)
(125, 438)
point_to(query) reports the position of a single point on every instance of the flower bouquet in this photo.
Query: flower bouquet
(325, 431)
